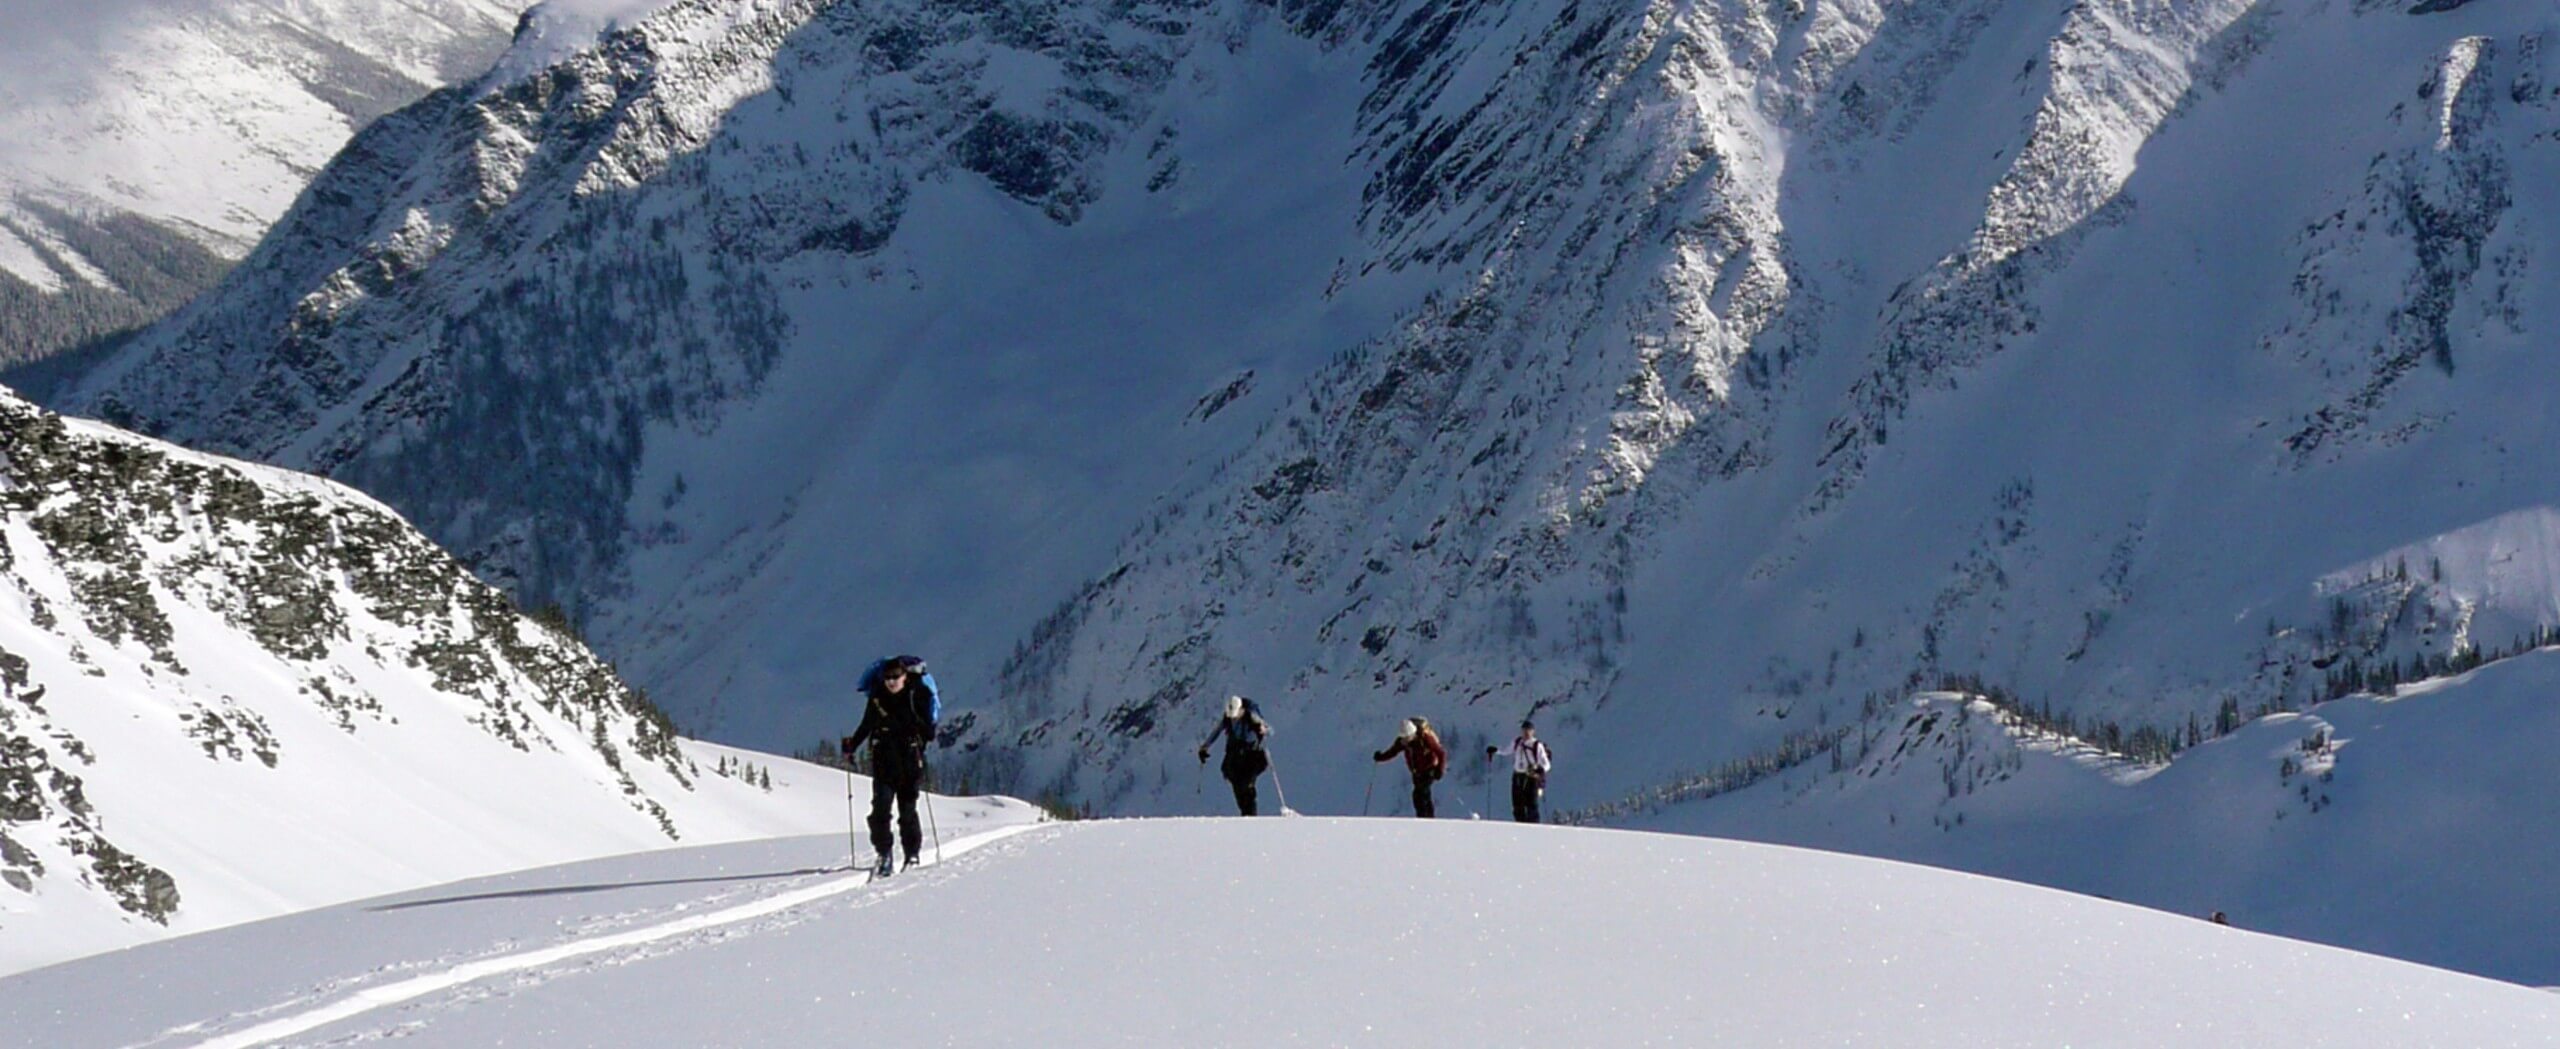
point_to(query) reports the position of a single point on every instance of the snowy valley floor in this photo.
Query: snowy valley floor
(1262, 932)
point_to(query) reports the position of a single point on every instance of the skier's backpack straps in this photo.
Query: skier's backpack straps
(1241, 733)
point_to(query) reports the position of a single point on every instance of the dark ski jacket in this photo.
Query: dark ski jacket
(902, 721)
(1423, 754)
(1244, 733)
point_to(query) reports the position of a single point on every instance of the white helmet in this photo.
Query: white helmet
(1407, 730)
(1235, 706)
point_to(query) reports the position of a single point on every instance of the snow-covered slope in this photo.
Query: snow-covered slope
(2415, 826)
(1702, 376)
(731, 277)
(1263, 932)
(229, 692)
(146, 143)
(2155, 445)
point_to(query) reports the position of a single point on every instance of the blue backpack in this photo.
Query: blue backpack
(932, 693)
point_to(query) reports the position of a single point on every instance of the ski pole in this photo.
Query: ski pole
(1373, 788)
(852, 844)
(1275, 781)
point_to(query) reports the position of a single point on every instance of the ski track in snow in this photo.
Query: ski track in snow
(1389, 932)
(676, 934)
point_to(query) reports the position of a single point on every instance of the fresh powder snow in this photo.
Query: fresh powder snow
(1249, 933)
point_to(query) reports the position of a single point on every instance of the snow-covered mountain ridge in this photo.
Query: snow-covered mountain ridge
(227, 691)
(2154, 453)
(2402, 824)
(1699, 376)
(2410, 825)
(146, 145)
(630, 241)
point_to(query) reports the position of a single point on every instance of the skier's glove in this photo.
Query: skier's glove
(1491, 752)
(845, 746)
(1378, 755)
(1204, 755)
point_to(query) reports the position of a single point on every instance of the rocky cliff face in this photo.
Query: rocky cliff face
(2105, 433)
(222, 684)
(1688, 373)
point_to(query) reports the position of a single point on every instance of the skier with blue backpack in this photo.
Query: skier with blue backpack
(1245, 759)
(901, 708)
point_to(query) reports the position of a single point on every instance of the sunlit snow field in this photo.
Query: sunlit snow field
(1255, 932)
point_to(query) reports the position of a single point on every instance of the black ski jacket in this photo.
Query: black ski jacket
(899, 721)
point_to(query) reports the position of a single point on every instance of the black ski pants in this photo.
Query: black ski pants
(1243, 768)
(1422, 796)
(900, 777)
(1526, 789)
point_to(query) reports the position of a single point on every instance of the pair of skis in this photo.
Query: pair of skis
(885, 869)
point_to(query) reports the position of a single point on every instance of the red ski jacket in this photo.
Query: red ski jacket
(1423, 754)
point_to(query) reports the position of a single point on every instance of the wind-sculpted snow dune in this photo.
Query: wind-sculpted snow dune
(1257, 932)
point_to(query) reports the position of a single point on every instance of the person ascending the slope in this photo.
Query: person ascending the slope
(1245, 760)
(900, 709)
(1529, 765)
(1423, 756)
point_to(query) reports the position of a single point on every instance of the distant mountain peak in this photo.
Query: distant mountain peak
(146, 146)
